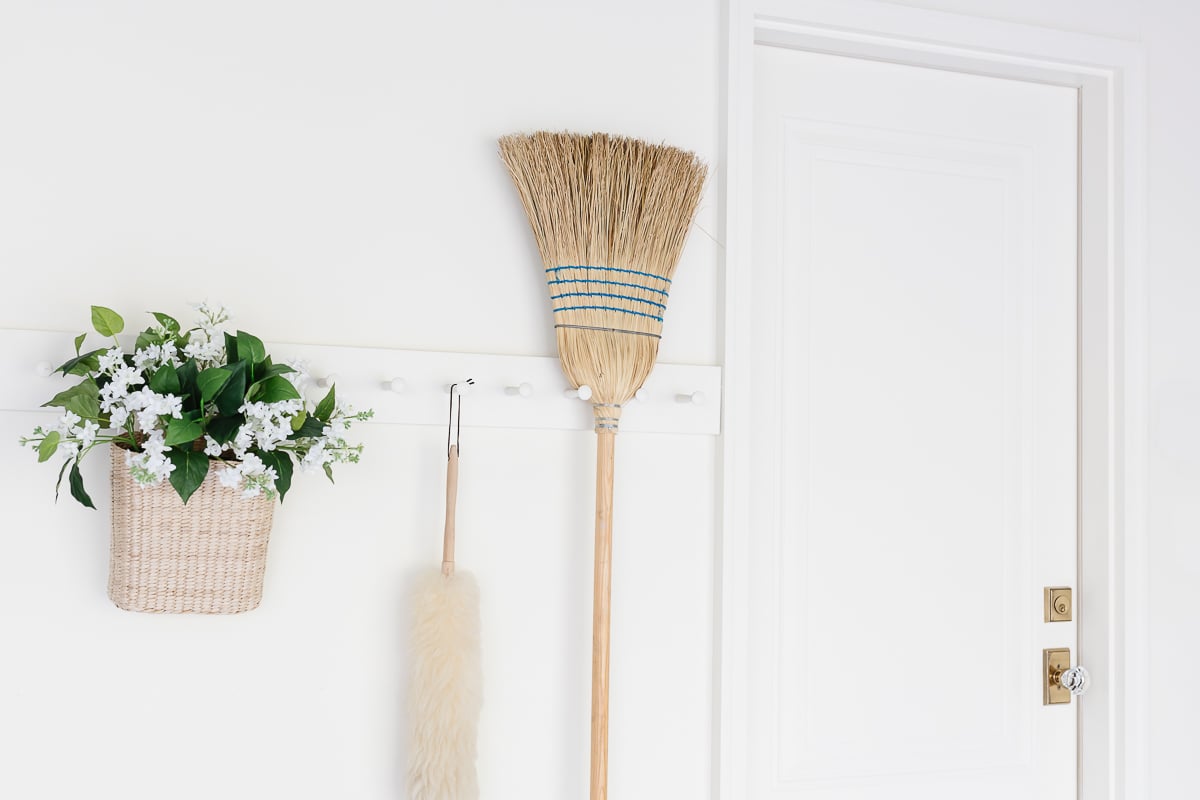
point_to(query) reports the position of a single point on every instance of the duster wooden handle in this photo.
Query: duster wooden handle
(602, 590)
(451, 503)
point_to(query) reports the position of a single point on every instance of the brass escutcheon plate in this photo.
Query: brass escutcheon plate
(1055, 662)
(1057, 605)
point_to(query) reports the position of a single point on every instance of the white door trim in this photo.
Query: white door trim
(1110, 75)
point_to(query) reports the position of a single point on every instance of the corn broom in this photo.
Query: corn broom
(610, 216)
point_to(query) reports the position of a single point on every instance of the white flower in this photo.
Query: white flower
(87, 434)
(251, 464)
(299, 378)
(147, 356)
(111, 359)
(118, 416)
(230, 476)
(205, 345)
(315, 458)
(169, 354)
(116, 390)
(156, 355)
(151, 466)
(153, 445)
(67, 422)
(242, 442)
(148, 406)
(171, 404)
(212, 313)
(212, 447)
(251, 476)
(146, 420)
(257, 483)
(109, 398)
(266, 426)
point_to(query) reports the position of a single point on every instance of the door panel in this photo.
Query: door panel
(915, 264)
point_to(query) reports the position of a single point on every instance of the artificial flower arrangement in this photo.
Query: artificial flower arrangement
(205, 432)
(185, 402)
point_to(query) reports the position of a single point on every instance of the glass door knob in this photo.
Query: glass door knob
(1075, 680)
(1060, 680)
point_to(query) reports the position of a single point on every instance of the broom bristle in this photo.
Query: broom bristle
(610, 215)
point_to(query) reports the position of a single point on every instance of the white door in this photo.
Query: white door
(914, 274)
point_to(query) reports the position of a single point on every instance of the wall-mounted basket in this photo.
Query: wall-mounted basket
(207, 557)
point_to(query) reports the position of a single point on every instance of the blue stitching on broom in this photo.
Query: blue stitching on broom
(612, 269)
(606, 294)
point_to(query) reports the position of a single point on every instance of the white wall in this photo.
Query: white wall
(290, 156)
(328, 170)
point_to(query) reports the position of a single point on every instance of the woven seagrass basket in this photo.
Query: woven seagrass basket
(207, 557)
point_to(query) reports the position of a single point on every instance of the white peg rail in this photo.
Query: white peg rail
(408, 387)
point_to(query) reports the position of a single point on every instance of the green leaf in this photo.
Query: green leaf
(79, 341)
(270, 369)
(147, 338)
(231, 349)
(328, 403)
(106, 321)
(58, 483)
(82, 364)
(168, 322)
(184, 430)
(83, 399)
(48, 446)
(211, 381)
(298, 420)
(329, 472)
(282, 462)
(188, 386)
(311, 427)
(275, 389)
(190, 469)
(166, 380)
(223, 429)
(250, 348)
(231, 397)
(77, 490)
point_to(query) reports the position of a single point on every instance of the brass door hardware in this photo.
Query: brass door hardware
(1057, 604)
(1061, 681)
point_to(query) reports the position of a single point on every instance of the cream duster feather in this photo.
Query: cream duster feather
(445, 694)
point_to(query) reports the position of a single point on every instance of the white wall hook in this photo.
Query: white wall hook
(641, 395)
(44, 369)
(463, 387)
(396, 385)
(695, 398)
(584, 392)
(523, 390)
(328, 380)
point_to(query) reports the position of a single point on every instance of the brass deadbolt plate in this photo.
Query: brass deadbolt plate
(1058, 605)
(1054, 663)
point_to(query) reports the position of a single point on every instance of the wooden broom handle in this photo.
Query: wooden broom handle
(451, 503)
(602, 590)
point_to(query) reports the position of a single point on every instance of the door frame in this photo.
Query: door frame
(1113, 580)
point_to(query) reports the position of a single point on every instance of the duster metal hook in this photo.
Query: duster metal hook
(454, 426)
